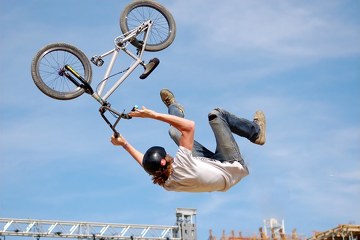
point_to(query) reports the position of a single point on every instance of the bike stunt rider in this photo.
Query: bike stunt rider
(195, 168)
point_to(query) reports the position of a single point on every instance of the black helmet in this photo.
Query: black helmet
(154, 159)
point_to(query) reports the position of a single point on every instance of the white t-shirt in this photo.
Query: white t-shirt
(199, 174)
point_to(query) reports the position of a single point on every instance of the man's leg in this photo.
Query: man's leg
(224, 124)
(177, 109)
(226, 147)
(254, 130)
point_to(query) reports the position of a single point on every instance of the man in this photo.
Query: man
(195, 168)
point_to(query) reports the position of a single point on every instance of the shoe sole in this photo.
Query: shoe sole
(259, 117)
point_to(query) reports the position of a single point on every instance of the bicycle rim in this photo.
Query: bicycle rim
(47, 71)
(163, 28)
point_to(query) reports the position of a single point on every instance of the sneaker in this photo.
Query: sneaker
(168, 99)
(259, 118)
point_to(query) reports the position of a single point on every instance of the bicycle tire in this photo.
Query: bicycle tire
(46, 66)
(163, 30)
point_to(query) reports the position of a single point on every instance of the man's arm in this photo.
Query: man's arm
(121, 141)
(185, 126)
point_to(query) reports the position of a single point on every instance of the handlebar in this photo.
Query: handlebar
(106, 107)
(116, 134)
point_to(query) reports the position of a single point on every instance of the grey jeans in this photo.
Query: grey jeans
(224, 125)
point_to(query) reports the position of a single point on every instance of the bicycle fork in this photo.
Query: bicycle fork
(105, 106)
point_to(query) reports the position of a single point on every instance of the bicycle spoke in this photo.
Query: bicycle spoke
(160, 28)
(50, 66)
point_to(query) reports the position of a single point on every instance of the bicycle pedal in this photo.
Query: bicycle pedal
(98, 61)
(153, 63)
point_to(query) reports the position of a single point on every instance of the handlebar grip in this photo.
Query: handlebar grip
(116, 134)
(134, 108)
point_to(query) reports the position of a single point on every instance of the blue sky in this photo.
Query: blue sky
(299, 61)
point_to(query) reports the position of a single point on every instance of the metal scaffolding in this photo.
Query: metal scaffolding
(85, 230)
(274, 229)
(342, 232)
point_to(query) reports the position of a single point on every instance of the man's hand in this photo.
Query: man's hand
(185, 126)
(119, 141)
(143, 113)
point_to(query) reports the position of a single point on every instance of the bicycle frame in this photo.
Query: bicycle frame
(120, 44)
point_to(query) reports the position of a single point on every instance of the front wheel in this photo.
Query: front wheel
(48, 66)
(163, 30)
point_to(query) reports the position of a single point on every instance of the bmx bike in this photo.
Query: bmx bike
(62, 71)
